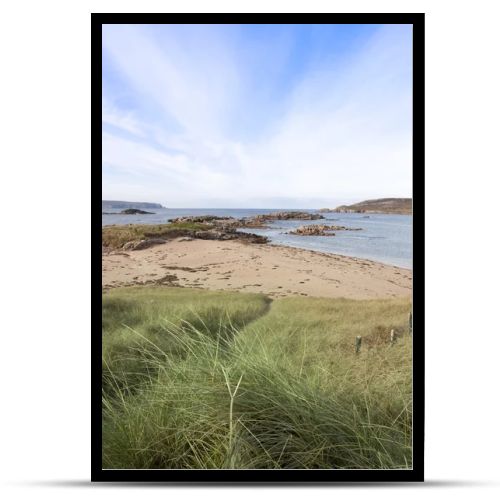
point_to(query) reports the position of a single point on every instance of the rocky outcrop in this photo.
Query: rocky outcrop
(262, 220)
(201, 219)
(345, 228)
(214, 221)
(313, 230)
(187, 235)
(320, 230)
(135, 211)
(257, 221)
(292, 215)
(143, 244)
(222, 223)
(215, 234)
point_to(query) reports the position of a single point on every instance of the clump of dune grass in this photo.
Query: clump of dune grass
(245, 384)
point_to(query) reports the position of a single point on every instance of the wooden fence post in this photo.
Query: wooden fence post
(410, 323)
(393, 337)
(358, 344)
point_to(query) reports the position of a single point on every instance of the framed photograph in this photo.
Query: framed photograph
(258, 292)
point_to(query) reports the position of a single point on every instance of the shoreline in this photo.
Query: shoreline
(274, 269)
(321, 252)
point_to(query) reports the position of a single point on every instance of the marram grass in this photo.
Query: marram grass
(198, 379)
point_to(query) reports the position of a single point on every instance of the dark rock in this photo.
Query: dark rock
(293, 215)
(313, 230)
(321, 230)
(143, 244)
(200, 218)
(135, 211)
(214, 234)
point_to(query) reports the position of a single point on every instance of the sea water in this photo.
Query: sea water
(385, 238)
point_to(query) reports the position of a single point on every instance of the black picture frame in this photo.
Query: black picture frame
(260, 477)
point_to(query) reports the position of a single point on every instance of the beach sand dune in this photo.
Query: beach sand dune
(277, 271)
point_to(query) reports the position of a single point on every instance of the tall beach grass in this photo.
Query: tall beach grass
(198, 379)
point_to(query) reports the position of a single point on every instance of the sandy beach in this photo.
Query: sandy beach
(277, 271)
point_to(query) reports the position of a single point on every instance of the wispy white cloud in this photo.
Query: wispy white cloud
(192, 86)
(122, 120)
(340, 132)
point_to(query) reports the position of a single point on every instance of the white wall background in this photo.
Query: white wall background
(45, 276)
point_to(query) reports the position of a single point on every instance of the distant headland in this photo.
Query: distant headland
(107, 204)
(379, 206)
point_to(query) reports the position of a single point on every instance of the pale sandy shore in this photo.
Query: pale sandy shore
(277, 271)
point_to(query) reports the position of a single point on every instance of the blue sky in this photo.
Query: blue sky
(256, 115)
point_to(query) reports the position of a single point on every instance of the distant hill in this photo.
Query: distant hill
(379, 206)
(107, 204)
